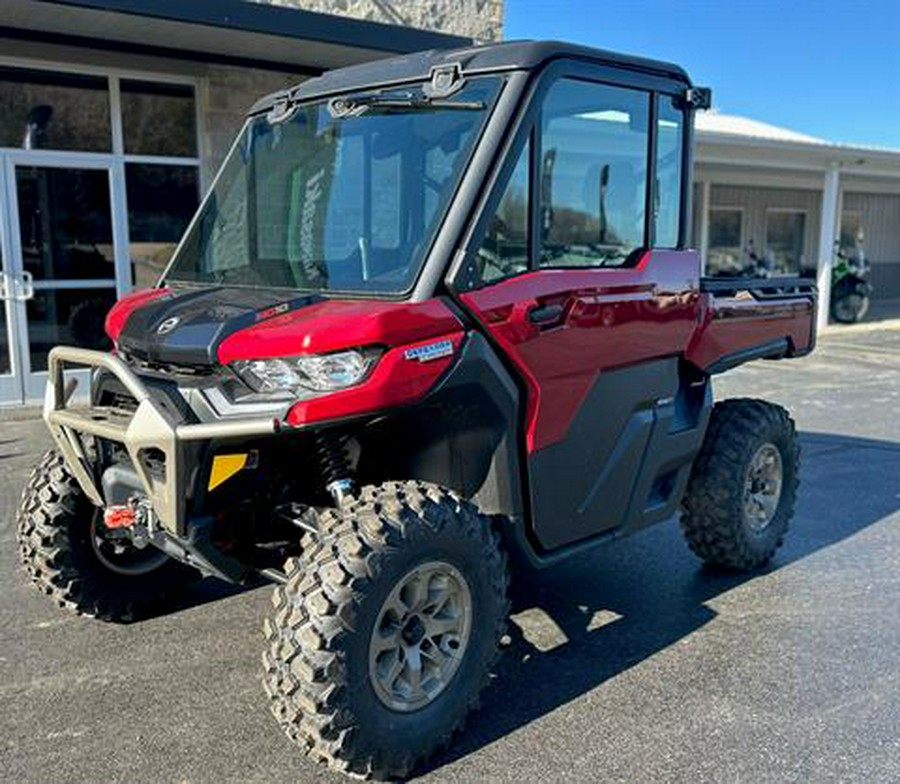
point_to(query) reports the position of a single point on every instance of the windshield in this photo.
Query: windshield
(333, 198)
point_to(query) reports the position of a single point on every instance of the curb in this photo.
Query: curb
(851, 329)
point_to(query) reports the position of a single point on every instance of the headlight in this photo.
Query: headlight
(317, 372)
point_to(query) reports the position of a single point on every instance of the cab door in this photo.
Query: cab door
(582, 285)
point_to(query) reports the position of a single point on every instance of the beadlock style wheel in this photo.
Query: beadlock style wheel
(743, 485)
(420, 636)
(387, 628)
(762, 488)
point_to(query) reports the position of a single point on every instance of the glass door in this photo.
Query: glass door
(11, 391)
(63, 248)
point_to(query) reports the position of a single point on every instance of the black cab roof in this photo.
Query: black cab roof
(482, 58)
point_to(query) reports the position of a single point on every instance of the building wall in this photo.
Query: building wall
(756, 201)
(224, 99)
(881, 221)
(479, 19)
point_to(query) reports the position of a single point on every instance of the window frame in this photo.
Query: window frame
(467, 276)
(116, 159)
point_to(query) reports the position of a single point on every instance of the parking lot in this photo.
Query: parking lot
(632, 664)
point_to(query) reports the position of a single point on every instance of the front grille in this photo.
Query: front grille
(167, 370)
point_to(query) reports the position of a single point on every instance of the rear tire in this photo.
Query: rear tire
(67, 559)
(743, 486)
(406, 576)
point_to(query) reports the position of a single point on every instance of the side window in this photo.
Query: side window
(593, 179)
(504, 251)
(667, 198)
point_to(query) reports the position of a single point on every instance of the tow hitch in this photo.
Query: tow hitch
(131, 521)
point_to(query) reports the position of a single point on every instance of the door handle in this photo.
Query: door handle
(545, 314)
(19, 288)
(26, 287)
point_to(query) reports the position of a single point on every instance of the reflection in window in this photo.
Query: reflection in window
(667, 199)
(504, 251)
(785, 230)
(593, 174)
(43, 110)
(65, 222)
(725, 254)
(161, 202)
(158, 119)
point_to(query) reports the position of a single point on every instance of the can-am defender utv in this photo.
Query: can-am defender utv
(435, 310)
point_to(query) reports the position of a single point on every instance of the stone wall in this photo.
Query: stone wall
(228, 94)
(479, 19)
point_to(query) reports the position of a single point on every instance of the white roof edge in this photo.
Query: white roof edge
(719, 128)
(825, 148)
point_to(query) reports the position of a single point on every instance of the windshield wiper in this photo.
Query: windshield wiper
(355, 105)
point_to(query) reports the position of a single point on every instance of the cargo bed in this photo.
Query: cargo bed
(742, 319)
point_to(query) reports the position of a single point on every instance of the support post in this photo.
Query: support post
(828, 232)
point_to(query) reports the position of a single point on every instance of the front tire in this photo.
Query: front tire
(851, 308)
(66, 556)
(743, 485)
(387, 628)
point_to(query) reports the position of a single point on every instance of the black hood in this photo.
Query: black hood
(186, 327)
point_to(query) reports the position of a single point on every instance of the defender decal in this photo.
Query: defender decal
(430, 351)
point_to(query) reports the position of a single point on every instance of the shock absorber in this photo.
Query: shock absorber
(335, 467)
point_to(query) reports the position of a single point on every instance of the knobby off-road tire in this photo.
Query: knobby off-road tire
(318, 670)
(732, 517)
(56, 532)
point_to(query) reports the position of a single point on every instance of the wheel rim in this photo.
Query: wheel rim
(420, 636)
(123, 557)
(762, 488)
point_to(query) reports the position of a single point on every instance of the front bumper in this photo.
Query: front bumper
(150, 428)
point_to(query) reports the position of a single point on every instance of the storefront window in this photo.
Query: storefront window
(65, 223)
(853, 234)
(158, 119)
(785, 230)
(725, 255)
(45, 110)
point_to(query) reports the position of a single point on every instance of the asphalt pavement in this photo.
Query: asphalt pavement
(632, 664)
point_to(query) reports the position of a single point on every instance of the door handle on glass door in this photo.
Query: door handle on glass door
(25, 287)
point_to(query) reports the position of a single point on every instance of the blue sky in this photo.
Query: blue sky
(830, 69)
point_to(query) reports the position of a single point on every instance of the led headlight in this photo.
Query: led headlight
(316, 372)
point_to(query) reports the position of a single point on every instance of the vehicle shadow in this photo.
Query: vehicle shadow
(583, 622)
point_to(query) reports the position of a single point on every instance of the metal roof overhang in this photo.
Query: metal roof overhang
(233, 32)
(752, 152)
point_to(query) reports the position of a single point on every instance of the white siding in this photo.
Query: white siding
(881, 221)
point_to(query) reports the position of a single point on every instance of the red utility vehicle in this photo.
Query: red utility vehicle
(434, 311)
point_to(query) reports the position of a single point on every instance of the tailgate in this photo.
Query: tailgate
(741, 319)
